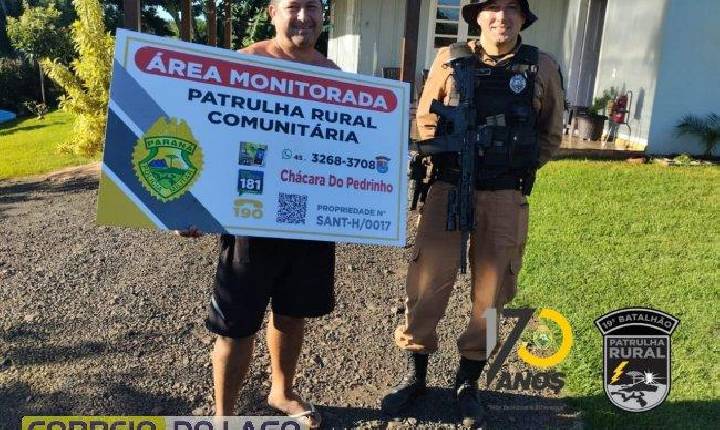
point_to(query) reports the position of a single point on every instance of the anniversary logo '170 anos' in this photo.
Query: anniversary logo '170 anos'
(636, 357)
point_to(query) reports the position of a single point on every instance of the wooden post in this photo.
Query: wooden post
(186, 21)
(227, 28)
(131, 10)
(212, 23)
(410, 43)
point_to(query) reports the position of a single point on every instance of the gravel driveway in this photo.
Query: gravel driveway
(109, 321)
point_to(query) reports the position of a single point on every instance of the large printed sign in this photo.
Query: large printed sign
(251, 146)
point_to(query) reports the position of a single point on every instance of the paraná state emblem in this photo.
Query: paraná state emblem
(167, 159)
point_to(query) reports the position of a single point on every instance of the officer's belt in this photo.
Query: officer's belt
(491, 184)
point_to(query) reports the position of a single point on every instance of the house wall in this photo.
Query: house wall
(344, 42)
(381, 25)
(422, 61)
(548, 33)
(367, 35)
(688, 81)
(664, 51)
(630, 59)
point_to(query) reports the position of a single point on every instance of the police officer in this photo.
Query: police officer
(519, 93)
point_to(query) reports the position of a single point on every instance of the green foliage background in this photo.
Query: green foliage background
(19, 81)
(39, 33)
(87, 81)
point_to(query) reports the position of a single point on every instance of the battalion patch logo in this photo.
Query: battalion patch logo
(636, 357)
(518, 83)
(167, 159)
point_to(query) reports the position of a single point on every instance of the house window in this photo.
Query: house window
(447, 24)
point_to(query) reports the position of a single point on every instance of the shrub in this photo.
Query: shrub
(38, 109)
(706, 129)
(87, 81)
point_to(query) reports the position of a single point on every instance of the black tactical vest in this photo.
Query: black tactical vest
(504, 101)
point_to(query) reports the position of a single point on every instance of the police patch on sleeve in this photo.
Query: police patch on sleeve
(518, 83)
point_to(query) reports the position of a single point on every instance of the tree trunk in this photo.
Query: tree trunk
(173, 9)
(227, 24)
(42, 83)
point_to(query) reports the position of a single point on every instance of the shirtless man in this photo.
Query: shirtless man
(295, 276)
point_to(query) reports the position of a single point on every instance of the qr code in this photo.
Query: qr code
(291, 208)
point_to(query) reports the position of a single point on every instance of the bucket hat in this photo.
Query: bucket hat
(471, 11)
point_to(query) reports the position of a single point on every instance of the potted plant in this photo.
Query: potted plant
(591, 125)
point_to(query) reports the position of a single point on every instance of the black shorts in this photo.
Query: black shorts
(296, 276)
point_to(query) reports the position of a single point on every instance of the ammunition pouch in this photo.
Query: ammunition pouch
(507, 160)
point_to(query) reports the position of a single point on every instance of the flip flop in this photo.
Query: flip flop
(312, 412)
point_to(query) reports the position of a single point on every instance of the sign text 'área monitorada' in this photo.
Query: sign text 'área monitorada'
(251, 145)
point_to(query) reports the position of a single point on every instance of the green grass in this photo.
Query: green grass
(28, 146)
(608, 235)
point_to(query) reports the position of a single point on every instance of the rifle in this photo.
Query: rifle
(467, 139)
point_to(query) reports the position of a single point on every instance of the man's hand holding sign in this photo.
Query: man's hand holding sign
(266, 145)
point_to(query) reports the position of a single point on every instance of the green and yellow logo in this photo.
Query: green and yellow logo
(167, 159)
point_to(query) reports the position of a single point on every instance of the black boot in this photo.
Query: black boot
(412, 385)
(469, 408)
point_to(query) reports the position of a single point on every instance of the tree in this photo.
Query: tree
(87, 82)
(149, 16)
(5, 12)
(14, 8)
(251, 23)
(259, 28)
(250, 20)
(37, 34)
